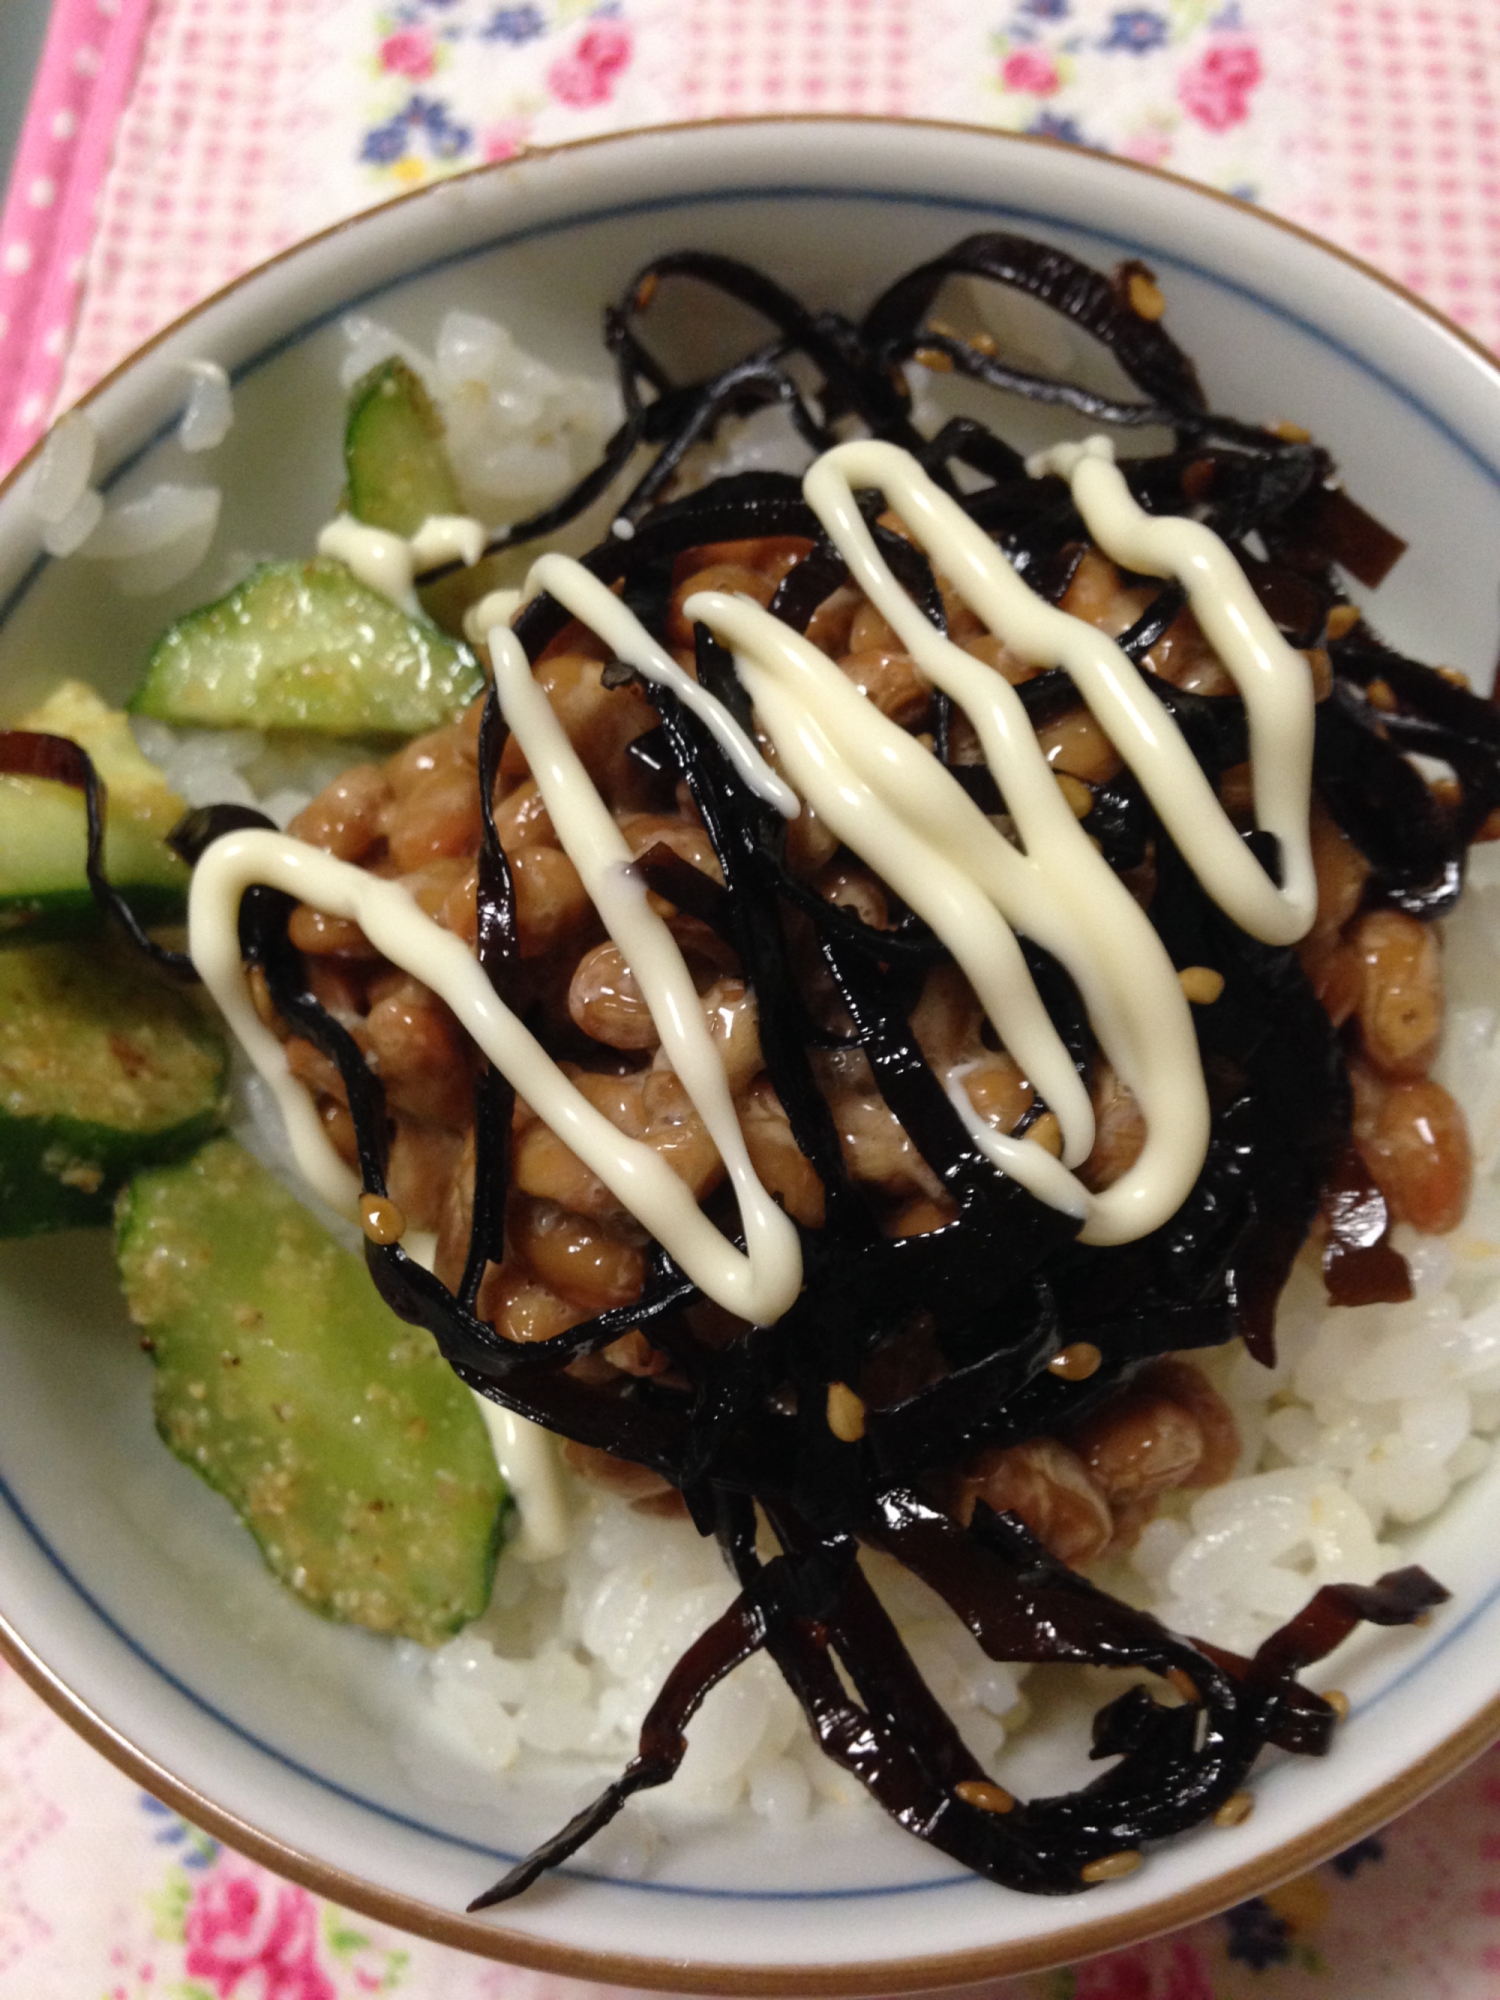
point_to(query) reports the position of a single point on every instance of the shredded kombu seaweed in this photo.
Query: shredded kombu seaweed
(741, 1430)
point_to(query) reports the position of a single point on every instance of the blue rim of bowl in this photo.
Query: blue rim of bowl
(481, 1936)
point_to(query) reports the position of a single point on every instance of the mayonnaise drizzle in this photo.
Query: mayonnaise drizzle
(896, 807)
(758, 1287)
(527, 1457)
(389, 563)
(904, 813)
(1273, 679)
(586, 597)
(761, 1282)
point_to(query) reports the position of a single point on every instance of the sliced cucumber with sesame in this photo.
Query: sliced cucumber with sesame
(394, 457)
(44, 830)
(349, 1449)
(306, 645)
(104, 1068)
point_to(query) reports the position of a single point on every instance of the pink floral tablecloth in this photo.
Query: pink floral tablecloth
(174, 142)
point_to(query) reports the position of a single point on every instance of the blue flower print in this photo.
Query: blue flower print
(1047, 125)
(447, 140)
(1257, 1936)
(1137, 30)
(514, 24)
(1046, 10)
(1354, 1858)
(194, 1849)
(384, 144)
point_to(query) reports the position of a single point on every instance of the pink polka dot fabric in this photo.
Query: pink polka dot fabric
(87, 69)
(785, 55)
(238, 125)
(1404, 146)
(187, 204)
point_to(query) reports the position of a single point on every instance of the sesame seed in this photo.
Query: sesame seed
(1110, 1867)
(1235, 1810)
(846, 1413)
(1146, 300)
(986, 1797)
(1076, 1363)
(380, 1219)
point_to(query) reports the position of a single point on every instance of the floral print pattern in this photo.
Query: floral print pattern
(1181, 83)
(243, 1933)
(494, 79)
(183, 1918)
(1216, 89)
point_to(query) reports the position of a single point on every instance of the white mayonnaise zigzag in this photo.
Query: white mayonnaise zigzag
(904, 814)
(1270, 675)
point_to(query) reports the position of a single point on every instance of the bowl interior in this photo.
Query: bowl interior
(131, 1588)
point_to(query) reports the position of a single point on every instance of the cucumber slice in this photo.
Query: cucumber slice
(305, 645)
(43, 830)
(346, 1445)
(104, 1068)
(398, 471)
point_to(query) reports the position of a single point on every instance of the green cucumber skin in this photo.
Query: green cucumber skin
(105, 1068)
(44, 892)
(64, 1173)
(349, 1449)
(397, 469)
(63, 916)
(305, 645)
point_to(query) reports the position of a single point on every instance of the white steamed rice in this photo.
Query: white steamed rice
(1367, 1423)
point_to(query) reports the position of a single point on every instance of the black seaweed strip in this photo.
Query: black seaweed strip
(1143, 348)
(733, 1638)
(746, 839)
(28, 753)
(630, 365)
(854, 379)
(1046, 1841)
(963, 439)
(820, 573)
(1382, 804)
(1153, 622)
(500, 1368)
(1045, 389)
(497, 946)
(757, 381)
(663, 870)
(1420, 687)
(940, 1424)
(1473, 764)
(746, 503)
(807, 583)
(917, 946)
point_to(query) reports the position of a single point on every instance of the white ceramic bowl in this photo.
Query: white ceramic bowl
(131, 1598)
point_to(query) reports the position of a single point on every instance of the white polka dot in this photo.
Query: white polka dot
(4, 325)
(42, 192)
(110, 7)
(55, 341)
(65, 124)
(87, 62)
(77, 270)
(32, 408)
(16, 257)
